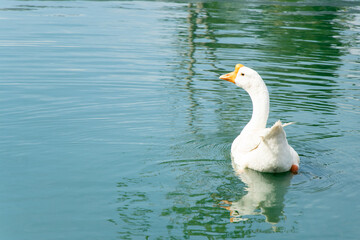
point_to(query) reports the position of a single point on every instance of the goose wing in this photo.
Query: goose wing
(275, 136)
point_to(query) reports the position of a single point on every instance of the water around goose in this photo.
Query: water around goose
(114, 124)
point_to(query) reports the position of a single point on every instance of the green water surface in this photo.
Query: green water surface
(114, 124)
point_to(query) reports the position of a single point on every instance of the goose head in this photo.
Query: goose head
(244, 77)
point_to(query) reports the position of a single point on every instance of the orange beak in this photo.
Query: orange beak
(231, 76)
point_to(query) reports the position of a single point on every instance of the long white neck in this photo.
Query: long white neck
(261, 104)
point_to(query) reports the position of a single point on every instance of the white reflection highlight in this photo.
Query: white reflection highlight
(265, 196)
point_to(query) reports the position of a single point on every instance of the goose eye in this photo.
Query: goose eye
(242, 74)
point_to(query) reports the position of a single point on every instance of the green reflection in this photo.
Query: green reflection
(306, 49)
(297, 50)
(199, 202)
(300, 62)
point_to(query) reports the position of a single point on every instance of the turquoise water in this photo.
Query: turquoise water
(114, 124)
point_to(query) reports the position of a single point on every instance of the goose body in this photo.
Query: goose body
(257, 147)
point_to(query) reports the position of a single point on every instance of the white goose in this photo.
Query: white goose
(257, 147)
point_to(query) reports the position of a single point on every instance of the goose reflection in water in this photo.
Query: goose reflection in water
(265, 196)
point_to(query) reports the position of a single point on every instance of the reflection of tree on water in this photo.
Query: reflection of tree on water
(198, 201)
(305, 41)
(293, 45)
(195, 199)
(322, 54)
(304, 47)
(194, 207)
(189, 47)
(191, 203)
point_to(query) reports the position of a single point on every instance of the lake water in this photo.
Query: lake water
(114, 124)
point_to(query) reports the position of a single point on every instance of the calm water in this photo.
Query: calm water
(114, 124)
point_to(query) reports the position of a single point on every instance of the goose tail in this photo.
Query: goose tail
(276, 131)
